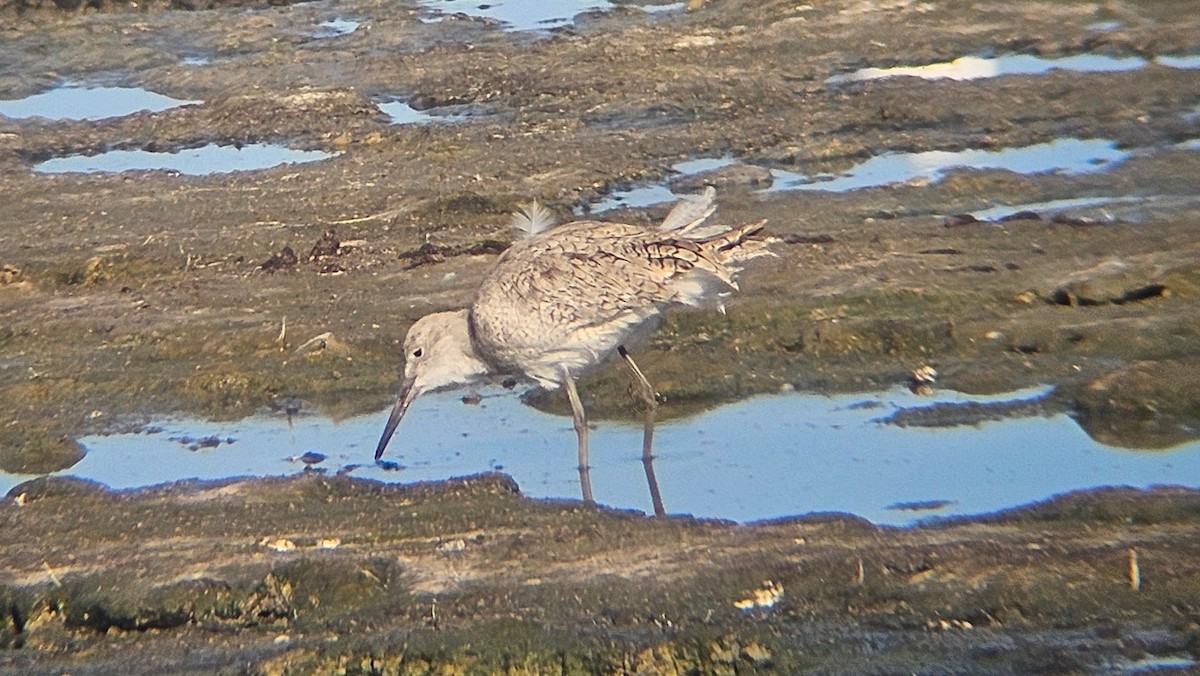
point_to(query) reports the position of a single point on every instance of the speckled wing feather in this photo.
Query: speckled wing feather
(571, 295)
(690, 211)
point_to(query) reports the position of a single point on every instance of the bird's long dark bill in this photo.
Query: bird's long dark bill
(408, 392)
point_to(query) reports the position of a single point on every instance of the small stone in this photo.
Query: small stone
(9, 274)
(958, 220)
(281, 545)
(757, 653)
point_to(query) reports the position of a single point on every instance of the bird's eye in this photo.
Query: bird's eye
(417, 353)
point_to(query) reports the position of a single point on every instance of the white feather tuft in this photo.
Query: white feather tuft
(700, 288)
(532, 218)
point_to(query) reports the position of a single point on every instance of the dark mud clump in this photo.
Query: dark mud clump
(284, 259)
(973, 412)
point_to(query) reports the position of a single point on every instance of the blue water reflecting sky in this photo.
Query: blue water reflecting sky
(521, 15)
(78, 102)
(977, 67)
(208, 159)
(766, 457)
(1069, 155)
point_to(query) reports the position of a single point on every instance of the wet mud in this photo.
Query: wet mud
(334, 575)
(128, 295)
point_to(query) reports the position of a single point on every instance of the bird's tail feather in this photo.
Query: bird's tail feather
(532, 218)
(735, 243)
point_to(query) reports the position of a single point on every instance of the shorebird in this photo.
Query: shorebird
(564, 298)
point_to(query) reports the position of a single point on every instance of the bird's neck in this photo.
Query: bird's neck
(470, 349)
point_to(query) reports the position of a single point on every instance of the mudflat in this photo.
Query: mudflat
(1063, 253)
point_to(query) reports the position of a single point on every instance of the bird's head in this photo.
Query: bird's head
(437, 355)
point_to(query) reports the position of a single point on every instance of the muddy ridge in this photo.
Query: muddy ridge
(311, 574)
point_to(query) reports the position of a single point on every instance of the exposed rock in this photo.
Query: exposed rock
(1113, 281)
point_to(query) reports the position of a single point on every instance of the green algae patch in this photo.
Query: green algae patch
(1110, 505)
(33, 451)
(1146, 404)
(516, 647)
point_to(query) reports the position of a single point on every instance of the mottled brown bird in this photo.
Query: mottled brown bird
(563, 299)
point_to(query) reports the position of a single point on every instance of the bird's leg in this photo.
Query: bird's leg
(647, 393)
(581, 431)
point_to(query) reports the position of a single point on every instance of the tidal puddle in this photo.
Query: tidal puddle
(766, 457)
(657, 193)
(1182, 62)
(1052, 206)
(209, 159)
(521, 15)
(80, 102)
(1070, 156)
(335, 27)
(664, 9)
(1156, 664)
(977, 67)
(402, 113)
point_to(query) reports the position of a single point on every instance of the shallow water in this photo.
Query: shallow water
(766, 457)
(521, 15)
(1070, 156)
(209, 159)
(335, 27)
(1160, 665)
(1040, 208)
(636, 197)
(1125, 208)
(658, 193)
(402, 113)
(79, 102)
(1184, 62)
(976, 67)
(664, 9)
